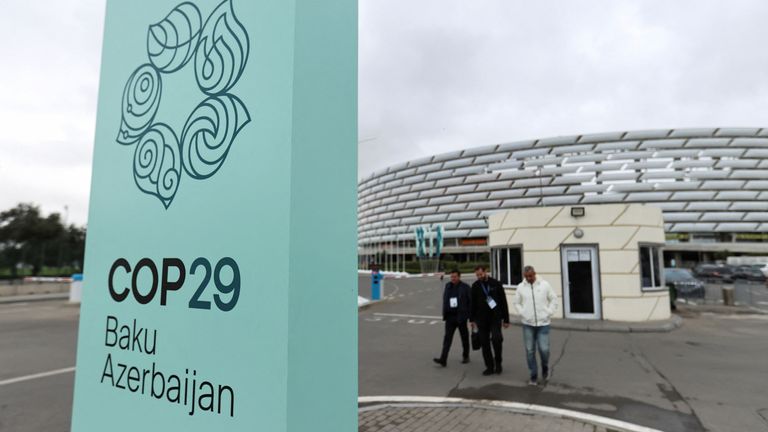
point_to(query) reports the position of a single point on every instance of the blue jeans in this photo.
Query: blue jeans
(533, 337)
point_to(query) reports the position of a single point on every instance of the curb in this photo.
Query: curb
(665, 326)
(719, 309)
(370, 303)
(388, 275)
(379, 402)
(33, 298)
(416, 275)
(758, 310)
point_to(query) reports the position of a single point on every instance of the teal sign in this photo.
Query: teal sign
(220, 272)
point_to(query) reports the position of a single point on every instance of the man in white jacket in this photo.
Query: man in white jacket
(536, 302)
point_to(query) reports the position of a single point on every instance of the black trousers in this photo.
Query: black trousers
(451, 324)
(490, 336)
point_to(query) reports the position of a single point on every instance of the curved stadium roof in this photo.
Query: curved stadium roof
(705, 180)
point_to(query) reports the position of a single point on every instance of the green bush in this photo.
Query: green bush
(5, 273)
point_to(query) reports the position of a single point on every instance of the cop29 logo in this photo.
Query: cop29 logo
(218, 48)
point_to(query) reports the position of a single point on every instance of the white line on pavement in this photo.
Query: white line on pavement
(36, 376)
(397, 288)
(408, 316)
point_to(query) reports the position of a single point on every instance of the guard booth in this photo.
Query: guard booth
(605, 261)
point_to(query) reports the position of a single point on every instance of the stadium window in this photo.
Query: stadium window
(650, 267)
(507, 265)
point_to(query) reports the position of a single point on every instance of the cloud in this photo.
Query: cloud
(49, 80)
(435, 75)
(439, 75)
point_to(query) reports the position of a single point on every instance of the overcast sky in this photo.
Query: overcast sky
(435, 75)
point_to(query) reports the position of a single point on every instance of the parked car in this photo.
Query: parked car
(684, 283)
(763, 268)
(723, 273)
(749, 273)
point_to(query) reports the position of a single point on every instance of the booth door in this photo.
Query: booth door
(581, 282)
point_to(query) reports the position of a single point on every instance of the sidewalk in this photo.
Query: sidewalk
(694, 310)
(33, 297)
(472, 416)
(663, 326)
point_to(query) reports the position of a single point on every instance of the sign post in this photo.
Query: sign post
(221, 251)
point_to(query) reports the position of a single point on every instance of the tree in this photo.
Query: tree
(28, 238)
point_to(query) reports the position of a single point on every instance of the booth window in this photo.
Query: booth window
(650, 267)
(507, 265)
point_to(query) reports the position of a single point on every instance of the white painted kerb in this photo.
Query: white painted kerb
(512, 406)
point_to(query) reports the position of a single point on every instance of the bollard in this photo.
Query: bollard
(76, 288)
(729, 299)
(377, 285)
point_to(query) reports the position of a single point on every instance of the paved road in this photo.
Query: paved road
(36, 338)
(708, 375)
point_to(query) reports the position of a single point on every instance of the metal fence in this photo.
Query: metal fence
(745, 293)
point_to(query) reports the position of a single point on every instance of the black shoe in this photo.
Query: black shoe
(545, 376)
(488, 371)
(498, 369)
(465, 360)
(441, 362)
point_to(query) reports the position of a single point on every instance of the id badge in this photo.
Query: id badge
(491, 303)
(454, 302)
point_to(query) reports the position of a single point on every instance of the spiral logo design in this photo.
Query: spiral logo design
(141, 99)
(220, 59)
(157, 163)
(220, 49)
(172, 42)
(209, 132)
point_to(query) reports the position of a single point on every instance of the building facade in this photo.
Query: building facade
(710, 183)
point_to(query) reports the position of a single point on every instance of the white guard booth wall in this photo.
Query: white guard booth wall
(607, 242)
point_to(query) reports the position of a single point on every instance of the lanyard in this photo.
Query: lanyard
(485, 289)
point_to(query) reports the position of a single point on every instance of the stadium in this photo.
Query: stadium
(711, 185)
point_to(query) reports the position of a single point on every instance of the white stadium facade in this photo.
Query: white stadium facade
(710, 183)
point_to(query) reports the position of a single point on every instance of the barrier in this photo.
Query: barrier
(76, 288)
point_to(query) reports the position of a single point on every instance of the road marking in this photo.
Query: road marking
(408, 316)
(36, 376)
(397, 288)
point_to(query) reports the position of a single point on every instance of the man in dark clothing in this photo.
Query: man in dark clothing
(456, 309)
(489, 312)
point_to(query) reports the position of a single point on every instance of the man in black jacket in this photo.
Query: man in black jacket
(456, 309)
(489, 312)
